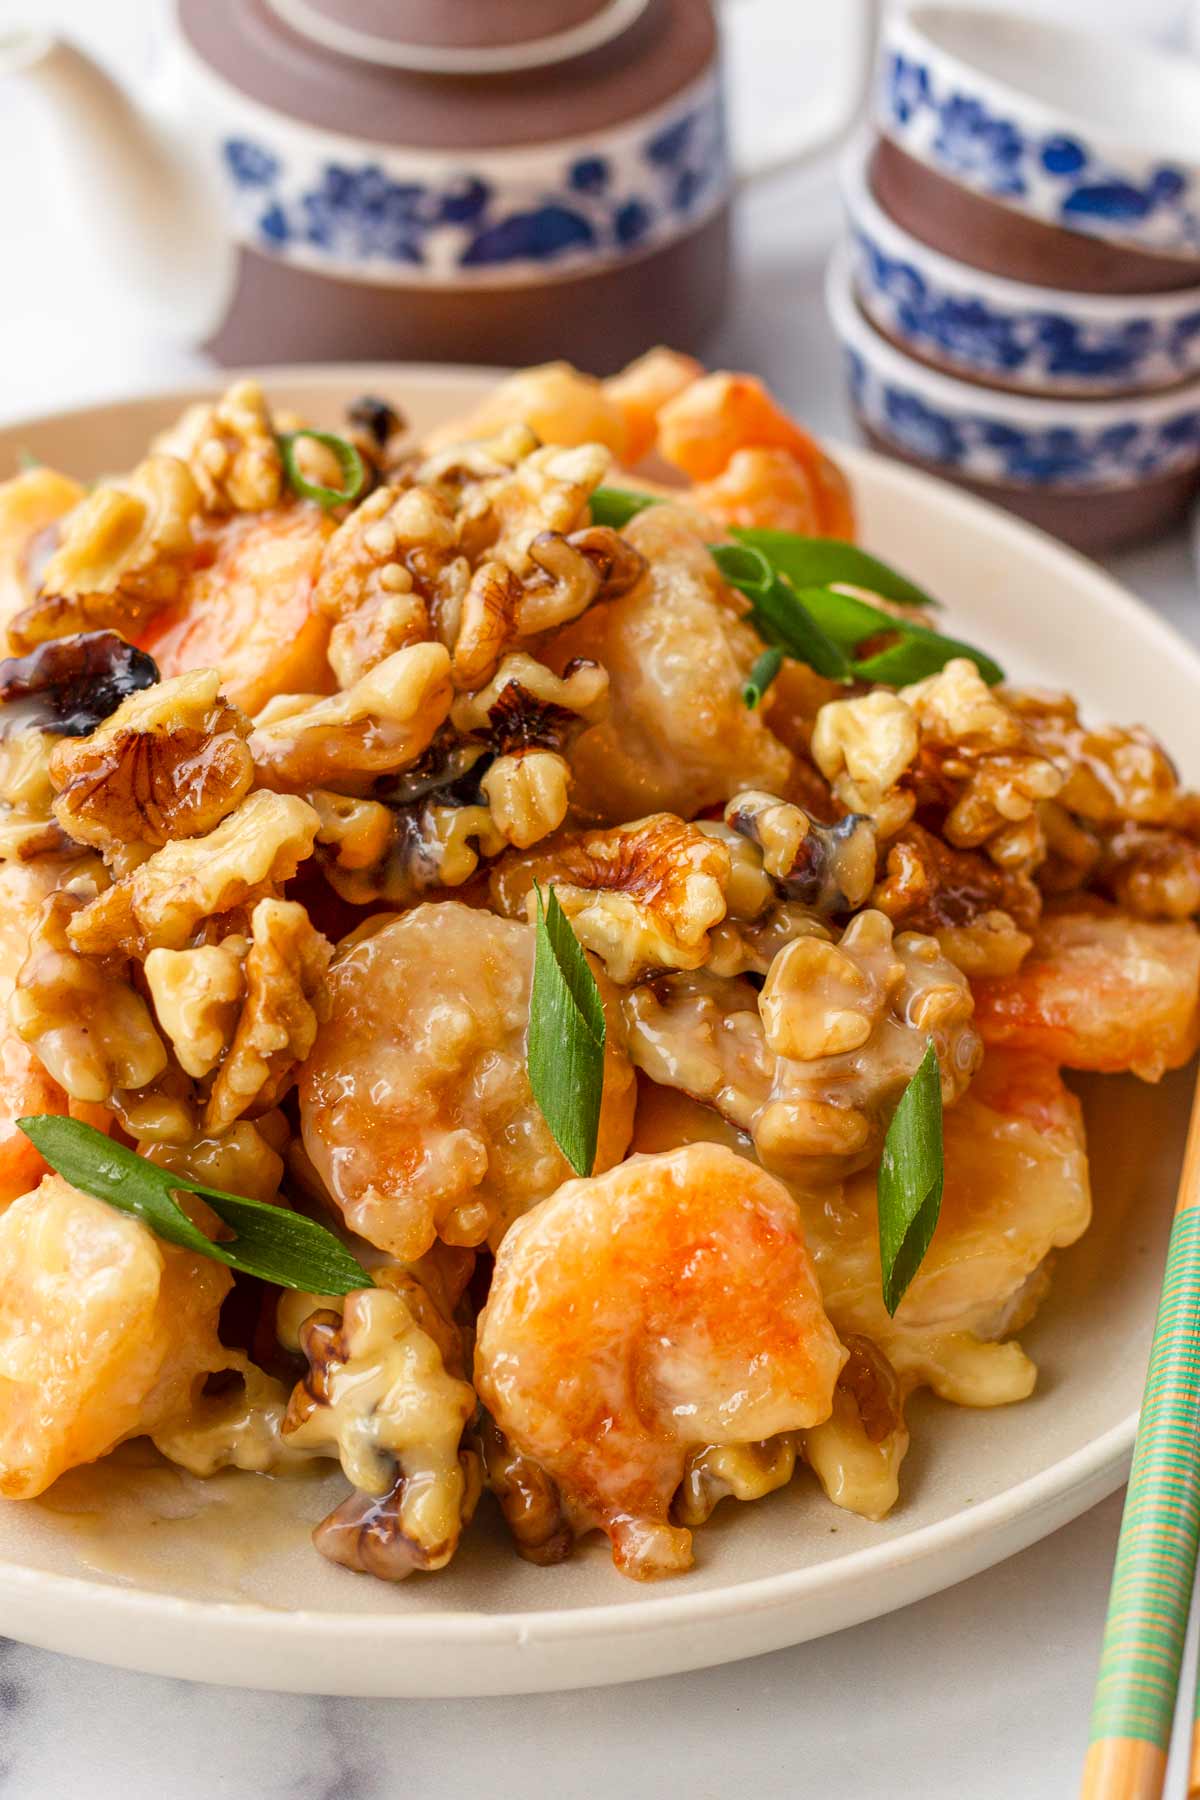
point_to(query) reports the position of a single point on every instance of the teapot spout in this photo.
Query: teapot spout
(140, 192)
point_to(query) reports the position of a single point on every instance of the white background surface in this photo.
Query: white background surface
(983, 1691)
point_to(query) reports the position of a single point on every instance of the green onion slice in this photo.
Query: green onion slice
(271, 1242)
(354, 473)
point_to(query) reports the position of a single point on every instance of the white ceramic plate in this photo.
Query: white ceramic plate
(148, 1569)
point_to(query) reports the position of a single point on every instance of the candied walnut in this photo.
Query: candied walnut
(345, 742)
(89, 1028)
(830, 868)
(504, 780)
(569, 574)
(856, 1453)
(529, 1499)
(813, 1066)
(231, 450)
(367, 556)
(678, 736)
(527, 795)
(124, 554)
(955, 706)
(378, 1397)
(170, 762)
(415, 1102)
(25, 1086)
(162, 901)
(70, 685)
(641, 896)
(104, 1329)
(162, 1112)
(547, 491)
(1151, 872)
(245, 1159)
(400, 854)
(196, 995)
(977, 761)
(732, 1471)
(863, 747)
(283, 971)
(1112, 773)
(980, 914)
(28, 828)
(526, 706)
(870, 1380)
(1073, 850)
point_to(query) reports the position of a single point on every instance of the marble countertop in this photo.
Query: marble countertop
(981, 1691)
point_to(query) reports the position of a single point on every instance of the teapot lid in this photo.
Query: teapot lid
(470, 37)
(279, 54)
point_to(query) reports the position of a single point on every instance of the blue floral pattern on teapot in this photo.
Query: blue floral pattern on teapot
(399, 215)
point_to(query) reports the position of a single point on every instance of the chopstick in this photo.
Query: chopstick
(1156, 1554)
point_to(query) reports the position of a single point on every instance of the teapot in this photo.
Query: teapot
(488, 181)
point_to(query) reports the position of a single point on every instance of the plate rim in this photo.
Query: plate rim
(1093, 1469)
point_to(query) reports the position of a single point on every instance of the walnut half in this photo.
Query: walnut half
(170, 762)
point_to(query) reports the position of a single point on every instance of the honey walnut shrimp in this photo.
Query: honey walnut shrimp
(515, 682)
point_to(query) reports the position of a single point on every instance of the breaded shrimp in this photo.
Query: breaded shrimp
(640, 1314)
(1016, 1189)
(104, 1331)
(247, 608)
(1101, 991)
(703, 428)
(415, 1103)
(642, 389)
(678, 736)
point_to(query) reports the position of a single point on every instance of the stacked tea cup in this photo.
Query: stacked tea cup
(1018, 297)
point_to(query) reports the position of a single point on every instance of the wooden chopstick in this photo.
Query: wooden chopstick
(1156, 1555)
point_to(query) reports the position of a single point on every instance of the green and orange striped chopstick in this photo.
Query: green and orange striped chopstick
(1156, 1556)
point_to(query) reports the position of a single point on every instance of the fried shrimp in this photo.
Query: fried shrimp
(1100, 991)
(103, 1330)
(415, 1102)
(679, 736)
(636, 1315)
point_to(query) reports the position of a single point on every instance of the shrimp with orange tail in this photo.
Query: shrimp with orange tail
(636, 1315)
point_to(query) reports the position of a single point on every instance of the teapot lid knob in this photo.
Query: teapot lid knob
(472, 37)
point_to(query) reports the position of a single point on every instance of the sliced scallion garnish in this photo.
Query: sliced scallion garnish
(354, 473)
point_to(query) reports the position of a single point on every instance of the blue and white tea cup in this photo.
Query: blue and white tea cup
(1009, 333)
(1068, 126)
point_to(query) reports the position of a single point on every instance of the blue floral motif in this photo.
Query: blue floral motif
(535, 236)
(991, 449)
(1033, 347)
(589, 175)
(591, 204)
(1056, 176)
(249, 164)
